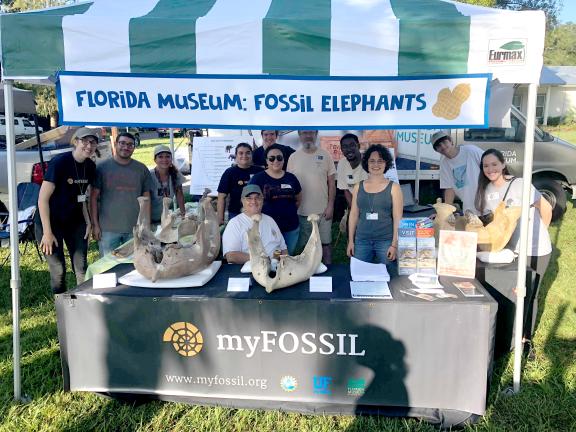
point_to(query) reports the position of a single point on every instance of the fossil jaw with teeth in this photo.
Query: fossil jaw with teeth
(156, 260)
(290, 269)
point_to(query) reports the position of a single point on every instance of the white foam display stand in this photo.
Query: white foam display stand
(195, 280)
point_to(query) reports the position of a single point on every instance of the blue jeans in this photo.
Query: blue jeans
(367, 250)
(291, 239)
(111, 240)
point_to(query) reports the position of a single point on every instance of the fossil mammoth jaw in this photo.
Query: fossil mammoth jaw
(155, 260)
(290, 269)
(495, 236)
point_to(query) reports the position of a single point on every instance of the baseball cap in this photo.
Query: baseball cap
(83, 132)
(161, 149)
(250, 189)
(441, 134)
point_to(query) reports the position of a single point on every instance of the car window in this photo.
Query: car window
(27, 123)
(515, 133)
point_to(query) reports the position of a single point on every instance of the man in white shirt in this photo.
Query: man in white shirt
(235, 240)
(459, 170)
(314, 168)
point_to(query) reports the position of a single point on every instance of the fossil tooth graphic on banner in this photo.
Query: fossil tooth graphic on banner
(450, 102)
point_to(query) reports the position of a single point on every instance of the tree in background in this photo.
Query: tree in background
(560, 48)
(550, 7)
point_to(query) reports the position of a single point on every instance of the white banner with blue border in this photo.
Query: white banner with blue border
(273, 102)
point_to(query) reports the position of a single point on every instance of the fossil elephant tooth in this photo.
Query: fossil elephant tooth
(290, 269)
(495, 236)
(156, 260)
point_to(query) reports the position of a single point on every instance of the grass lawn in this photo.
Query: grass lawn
(567, 133)
(547, 401)
(145, 151)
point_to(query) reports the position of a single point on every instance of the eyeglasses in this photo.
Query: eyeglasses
(278, 158)
(253, 197)
(376, 161)
(128, 144)
(88, 142)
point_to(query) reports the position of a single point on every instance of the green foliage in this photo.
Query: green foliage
(560, 48)
(550, 7)
(486, 3)
(24, 5)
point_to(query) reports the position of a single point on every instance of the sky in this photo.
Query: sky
(568, 12)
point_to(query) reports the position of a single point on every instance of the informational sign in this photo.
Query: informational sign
(457, 253)
(268, 101)
(211, 156)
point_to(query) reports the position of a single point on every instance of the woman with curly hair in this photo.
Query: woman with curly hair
(376, 211)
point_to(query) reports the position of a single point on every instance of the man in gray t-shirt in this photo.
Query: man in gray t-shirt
(114, 198)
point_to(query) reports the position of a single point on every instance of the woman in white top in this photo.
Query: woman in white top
(495, 184)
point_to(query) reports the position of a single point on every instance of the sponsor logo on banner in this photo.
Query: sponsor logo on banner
(356, 387)
(322, 384)
(288, 383)
(507, 52)
(185, 338)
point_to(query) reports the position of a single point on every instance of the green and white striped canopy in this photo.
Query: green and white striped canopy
(280, 37)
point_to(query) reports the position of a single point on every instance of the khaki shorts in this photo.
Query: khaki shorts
(324, 227)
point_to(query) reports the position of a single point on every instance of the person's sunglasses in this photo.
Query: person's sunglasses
(278, 158)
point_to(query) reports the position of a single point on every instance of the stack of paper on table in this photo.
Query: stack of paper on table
(369, 280)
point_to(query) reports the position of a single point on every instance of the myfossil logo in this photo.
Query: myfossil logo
(185, 338)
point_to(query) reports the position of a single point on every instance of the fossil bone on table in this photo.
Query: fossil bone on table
(496, 235)
(290, 270)
(154, 259)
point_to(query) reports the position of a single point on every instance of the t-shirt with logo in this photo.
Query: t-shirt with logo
(120, 186)
(348, 177)
(233, 181)
(538, 237)
(280, 198)
(312, 171)
(235, 238)
(70, 179)
(461, 174)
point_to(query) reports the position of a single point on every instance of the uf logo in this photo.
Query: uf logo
(322, 384)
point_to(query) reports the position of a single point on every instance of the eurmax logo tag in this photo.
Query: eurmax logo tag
(186, 339)
(507, 52)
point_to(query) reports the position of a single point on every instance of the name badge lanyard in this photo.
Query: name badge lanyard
(82, 196)
(372, 215)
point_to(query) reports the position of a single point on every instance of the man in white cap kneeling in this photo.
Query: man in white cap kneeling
(235, 240)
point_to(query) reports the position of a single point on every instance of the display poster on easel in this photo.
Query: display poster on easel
(211, 156)
(457, 254)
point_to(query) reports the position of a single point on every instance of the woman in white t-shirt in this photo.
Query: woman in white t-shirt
(495, 184)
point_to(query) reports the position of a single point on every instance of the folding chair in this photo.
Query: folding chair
(27, 196)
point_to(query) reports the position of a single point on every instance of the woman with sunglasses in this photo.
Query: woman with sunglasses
(62, 216)
(282, 195)
(376, 211)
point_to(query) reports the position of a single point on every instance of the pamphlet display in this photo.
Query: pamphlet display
(425, 246)
(407, 246)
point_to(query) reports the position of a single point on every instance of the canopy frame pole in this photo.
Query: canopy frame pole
(524, 225)
(13, 220)
(418, 159)
(171, 131)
